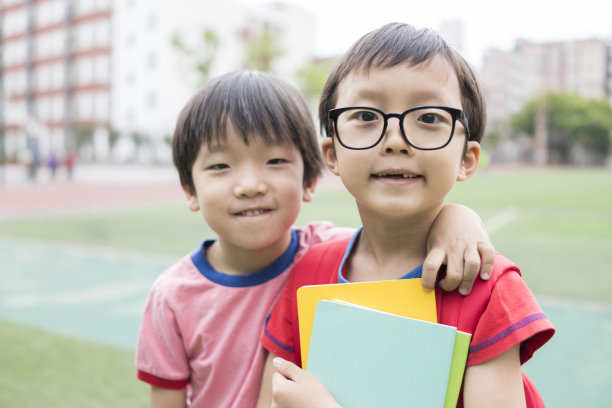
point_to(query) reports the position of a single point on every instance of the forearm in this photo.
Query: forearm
(495, 383)
(459, 240)
(265, 391)
(166, 398)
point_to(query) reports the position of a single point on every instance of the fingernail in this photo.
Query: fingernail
(277, 361)
(464, 291)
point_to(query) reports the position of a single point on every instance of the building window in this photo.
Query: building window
(84, 71)
(49, 12)
(15, 52)
(101, 69)
(15, 22)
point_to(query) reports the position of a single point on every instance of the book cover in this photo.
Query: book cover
(403, 297)
(460, 353)
(369, 358)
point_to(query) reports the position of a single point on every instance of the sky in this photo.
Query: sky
(487, 24)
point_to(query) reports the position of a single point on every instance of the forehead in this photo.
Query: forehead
(251, 143)
(431, 82)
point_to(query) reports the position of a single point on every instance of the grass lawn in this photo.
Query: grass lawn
(39, 369)
(560, 232)
(557, 227)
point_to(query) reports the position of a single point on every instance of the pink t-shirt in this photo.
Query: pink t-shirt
(201, 328)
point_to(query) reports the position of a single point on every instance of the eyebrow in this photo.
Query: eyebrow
(419, 95)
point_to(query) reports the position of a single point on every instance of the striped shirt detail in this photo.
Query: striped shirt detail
(506, 332)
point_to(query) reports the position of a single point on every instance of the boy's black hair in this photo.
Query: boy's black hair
(398, 43)
(258, 105)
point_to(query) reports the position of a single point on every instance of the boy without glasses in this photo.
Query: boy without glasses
(405, 115)
(247, 155)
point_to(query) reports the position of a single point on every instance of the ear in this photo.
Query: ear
(329, 155)
(309, 190)
(469, 164)
(192, 199)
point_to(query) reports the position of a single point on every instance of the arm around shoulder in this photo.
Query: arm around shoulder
(459, 240)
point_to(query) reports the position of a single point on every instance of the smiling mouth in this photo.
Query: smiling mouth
(397, 176)
(251, 213)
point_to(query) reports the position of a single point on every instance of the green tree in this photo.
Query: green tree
(83, 135)
(571, 121)
(311, 78)
(202, 56)
(262, 49)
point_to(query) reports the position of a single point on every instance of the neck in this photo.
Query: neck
(388, 249)
(235, 260)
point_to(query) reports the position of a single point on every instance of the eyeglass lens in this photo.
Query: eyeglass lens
(427, 128)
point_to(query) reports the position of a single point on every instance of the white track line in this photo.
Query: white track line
(501, 219)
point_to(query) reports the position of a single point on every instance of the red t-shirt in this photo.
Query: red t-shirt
(499, 313)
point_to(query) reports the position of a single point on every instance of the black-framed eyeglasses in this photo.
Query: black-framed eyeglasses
(428, 127)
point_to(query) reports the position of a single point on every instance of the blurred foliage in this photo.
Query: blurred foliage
(83, 135)
(262, 49)
(113, 137)
(571, 120)
(311, 78)
(202, 56)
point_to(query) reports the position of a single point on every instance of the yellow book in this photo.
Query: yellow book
(403, 297)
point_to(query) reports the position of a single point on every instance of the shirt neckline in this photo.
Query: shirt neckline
(282, 263)
(413, 274)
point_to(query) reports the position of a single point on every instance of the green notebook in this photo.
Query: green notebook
(369, 358)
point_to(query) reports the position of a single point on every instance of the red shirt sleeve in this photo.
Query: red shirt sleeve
(279, 334)
(318, 266)
(511, 317)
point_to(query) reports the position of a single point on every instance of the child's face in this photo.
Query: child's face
(393, 179)
(250, 195)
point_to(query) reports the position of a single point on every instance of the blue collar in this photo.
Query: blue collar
(415, 273)
(282, 263)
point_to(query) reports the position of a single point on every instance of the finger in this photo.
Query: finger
(487, 255)
(281, 390)
(286, 368)
(471, 266)
(431, 266)
(454, 269)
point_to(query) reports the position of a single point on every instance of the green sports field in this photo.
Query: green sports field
(67, 336)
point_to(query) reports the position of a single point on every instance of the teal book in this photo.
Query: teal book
(368, 358)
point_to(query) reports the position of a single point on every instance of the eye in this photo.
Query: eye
(277, 160)
(430, 118)
(364, 115)
(218, 166)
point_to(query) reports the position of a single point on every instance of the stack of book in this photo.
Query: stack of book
(378, 344)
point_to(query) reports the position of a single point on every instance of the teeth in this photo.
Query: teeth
(251, 213)
(398, 175)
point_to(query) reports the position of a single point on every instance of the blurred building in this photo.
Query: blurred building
(108, 77)
(56, 71)
(513, 78)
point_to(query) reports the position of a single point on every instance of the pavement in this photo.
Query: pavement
(93, 187)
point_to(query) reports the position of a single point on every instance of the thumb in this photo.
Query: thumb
(286, 368)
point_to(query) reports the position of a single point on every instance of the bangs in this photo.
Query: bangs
(255, 108)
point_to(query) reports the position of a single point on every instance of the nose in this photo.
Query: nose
(250, 184)
(394, 141)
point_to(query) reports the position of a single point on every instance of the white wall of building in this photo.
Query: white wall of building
(152, 80)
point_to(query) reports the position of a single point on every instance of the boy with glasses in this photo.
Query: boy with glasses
(405, 115)
(247, 155)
